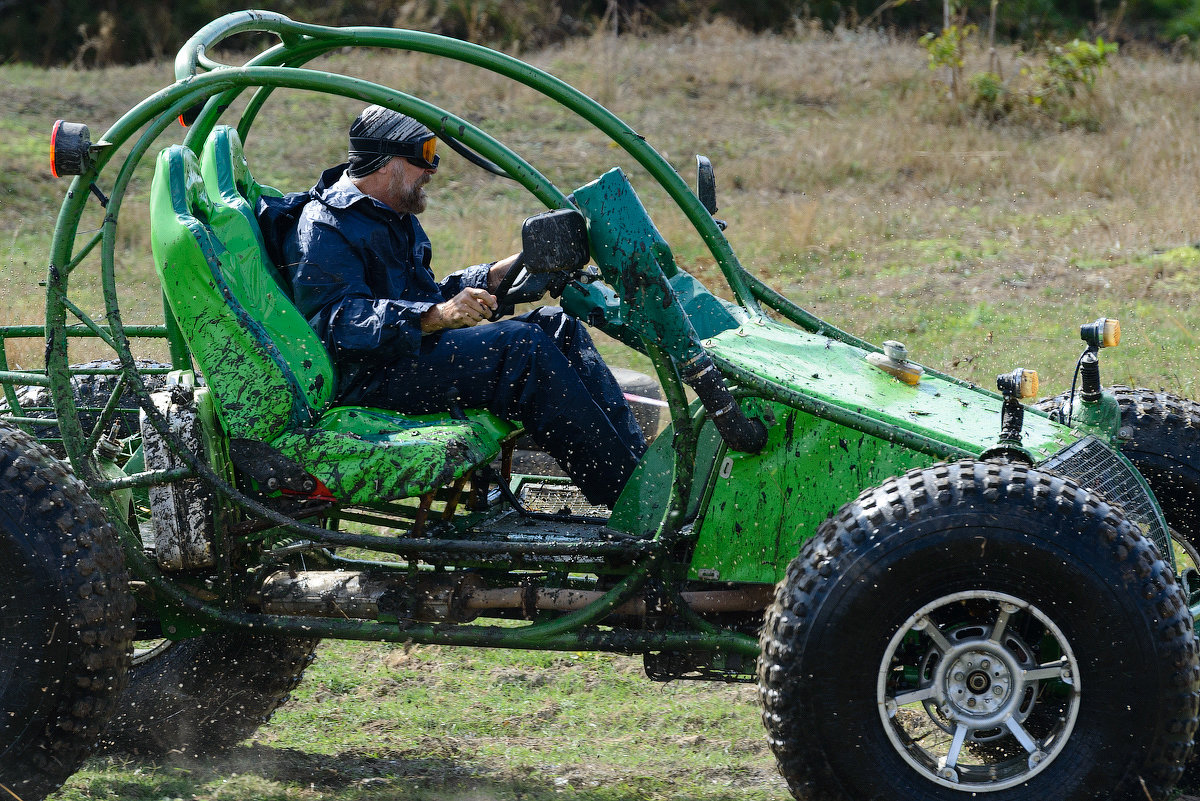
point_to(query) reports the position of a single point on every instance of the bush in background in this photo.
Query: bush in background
(1056, 87)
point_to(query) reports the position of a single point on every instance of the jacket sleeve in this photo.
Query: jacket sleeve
(476, 276)
(330, 286)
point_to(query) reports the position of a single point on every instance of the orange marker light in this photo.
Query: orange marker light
(1112, 333)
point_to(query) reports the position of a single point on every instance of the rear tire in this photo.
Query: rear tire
(905, 589)
(205, 694)
(65, 620)
(1162, 439)
(1160, 434)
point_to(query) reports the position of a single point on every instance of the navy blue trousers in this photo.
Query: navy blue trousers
(540, 369)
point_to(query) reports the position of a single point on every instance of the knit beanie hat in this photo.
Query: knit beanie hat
(376, 123)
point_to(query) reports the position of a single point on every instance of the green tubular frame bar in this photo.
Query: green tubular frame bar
(276, 68)
(302, 42)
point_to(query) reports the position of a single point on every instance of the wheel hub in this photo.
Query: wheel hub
(980, 685)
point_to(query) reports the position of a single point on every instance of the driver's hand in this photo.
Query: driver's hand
(467, 308)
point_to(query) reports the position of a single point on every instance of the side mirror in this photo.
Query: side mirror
(706, 184)
(706, 187)
(555, 242)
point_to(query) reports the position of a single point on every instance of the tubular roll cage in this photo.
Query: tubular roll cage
(204, 83)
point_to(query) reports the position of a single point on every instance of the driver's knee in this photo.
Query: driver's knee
(515, 337)
(568, 333)
(551, 319)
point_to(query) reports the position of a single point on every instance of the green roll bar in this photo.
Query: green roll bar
(202, 81)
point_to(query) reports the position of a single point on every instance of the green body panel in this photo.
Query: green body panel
(763, 507)
(636, 261)
(644, 500)
(601, 307)
(838, 375)
(708, 314)
(1101, 416)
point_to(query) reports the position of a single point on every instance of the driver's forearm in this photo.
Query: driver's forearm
(498, 270)
(496, 274)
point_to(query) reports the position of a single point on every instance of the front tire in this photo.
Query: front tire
(65, 620)
(872, 676)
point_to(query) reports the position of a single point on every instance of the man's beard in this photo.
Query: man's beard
(411, 200)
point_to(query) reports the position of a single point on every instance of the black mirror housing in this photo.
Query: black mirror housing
(555, 241)
(706, 184)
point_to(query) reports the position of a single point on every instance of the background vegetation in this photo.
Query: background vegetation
(104, 32)
(853, 181)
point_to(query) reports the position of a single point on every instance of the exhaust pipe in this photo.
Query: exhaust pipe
(460, 598)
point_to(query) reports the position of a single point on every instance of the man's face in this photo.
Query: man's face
(407, 186)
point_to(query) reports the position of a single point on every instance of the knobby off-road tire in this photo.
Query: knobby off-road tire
(885, 621)
(65, 620)
(1161, 434)
(202, 695)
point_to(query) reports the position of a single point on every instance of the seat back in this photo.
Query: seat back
(243, 331)
(229, 183)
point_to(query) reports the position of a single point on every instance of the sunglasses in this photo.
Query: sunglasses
(422, 153)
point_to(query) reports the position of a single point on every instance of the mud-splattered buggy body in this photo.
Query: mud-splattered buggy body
(987, 550)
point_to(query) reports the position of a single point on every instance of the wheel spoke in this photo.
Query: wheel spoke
(1023, 737)
(1050, 670)
(1006, 612)
(960, 736)
(936, 635)
(916, 695)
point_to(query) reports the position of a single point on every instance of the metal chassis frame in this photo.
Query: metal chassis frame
(201, 80)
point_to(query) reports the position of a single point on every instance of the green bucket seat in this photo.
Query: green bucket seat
(270, 374)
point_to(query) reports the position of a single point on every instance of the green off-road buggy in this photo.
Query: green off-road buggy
(941, 593)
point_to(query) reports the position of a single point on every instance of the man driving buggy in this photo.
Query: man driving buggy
(358, 262)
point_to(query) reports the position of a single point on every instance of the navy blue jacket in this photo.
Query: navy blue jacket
(359, 272)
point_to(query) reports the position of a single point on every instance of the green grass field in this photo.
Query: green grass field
(378, 722)
(849, 184)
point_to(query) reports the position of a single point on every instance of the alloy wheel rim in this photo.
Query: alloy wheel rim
(959, 672)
